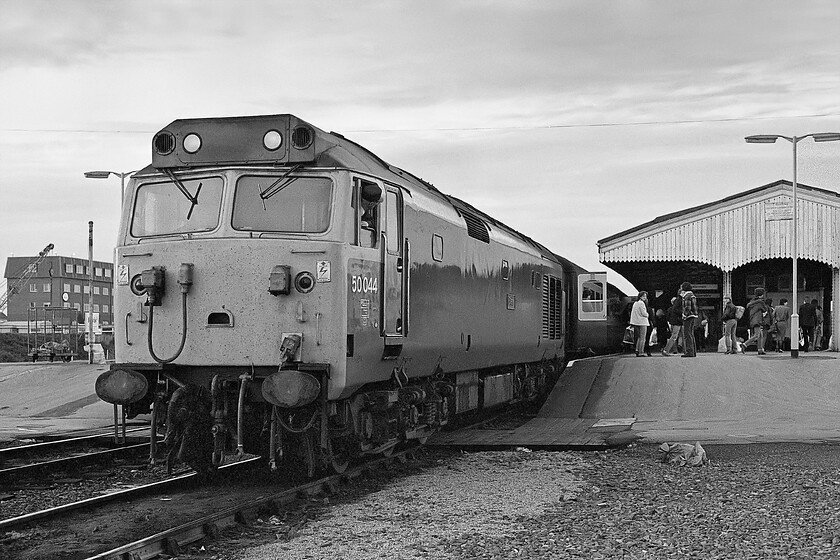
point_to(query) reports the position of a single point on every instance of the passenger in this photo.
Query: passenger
(689, 313)
(662, 329)
(675, 322)
(781, 314)
(769, 325)
(700, 329)
(651, 326)
(757, 311)
(640, 320)
(729, 324)
(818, 329)
(807, 321)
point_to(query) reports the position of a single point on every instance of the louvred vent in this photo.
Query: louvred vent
(476, 228)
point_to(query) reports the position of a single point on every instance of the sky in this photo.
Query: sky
(569, 121)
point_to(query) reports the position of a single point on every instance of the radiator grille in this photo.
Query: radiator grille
(552, 307)
(476, 227)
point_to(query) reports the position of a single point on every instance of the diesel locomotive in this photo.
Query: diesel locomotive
(281, 290)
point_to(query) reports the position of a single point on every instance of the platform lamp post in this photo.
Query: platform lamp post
(106, 174)
(794, 140)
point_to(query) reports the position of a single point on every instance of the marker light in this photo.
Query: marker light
(192, 143)
(272, 140)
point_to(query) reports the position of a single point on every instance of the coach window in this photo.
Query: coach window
(592, 287)
(367, 196)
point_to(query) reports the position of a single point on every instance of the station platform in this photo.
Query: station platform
(714, 398)
(597, 402)
(49, 399)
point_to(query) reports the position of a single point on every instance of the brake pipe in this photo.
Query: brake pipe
(183, 331)
(240, 413)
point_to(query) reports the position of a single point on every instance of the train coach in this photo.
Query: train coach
(281, 290)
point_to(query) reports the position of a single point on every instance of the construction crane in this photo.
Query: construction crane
(23, 275)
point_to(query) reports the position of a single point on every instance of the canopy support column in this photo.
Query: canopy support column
(833, 312)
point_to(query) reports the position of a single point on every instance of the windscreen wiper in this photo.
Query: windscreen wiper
(280, 184)
(193, 199)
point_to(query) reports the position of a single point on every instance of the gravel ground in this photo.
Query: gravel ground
(752, 501)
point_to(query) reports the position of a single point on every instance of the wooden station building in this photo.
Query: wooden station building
(734, 245)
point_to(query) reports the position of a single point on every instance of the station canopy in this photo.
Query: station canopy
(751, 226)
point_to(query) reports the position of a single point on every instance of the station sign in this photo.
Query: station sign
(775, 210)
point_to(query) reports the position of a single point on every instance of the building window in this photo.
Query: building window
(31, 304)
(105, 291)
(96, 308)
(47, 288)
(98, 271)
(104, 309)
(77, 289)
(96, 290)
(80, 269)
(33, 288)
(86, 289)
(68, 268)
(77, 307)
(46, 304)
(87, 307)
(107, 273)
(66, 287)
(67, 304)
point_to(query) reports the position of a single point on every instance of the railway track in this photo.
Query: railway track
(33, 464)
(96, 501)
(172, 542)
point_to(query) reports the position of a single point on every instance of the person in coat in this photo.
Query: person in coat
(675, 322)
(690, 313)
(729, 324)
(782, 316)
(640, 320)
(807, 321)
(757, 311)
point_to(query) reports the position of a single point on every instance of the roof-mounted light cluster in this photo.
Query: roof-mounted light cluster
(235, 140)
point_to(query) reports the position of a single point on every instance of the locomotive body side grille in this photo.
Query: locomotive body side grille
(552, 299)
(476, 228)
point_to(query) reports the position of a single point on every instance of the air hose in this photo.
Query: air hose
(183, 331)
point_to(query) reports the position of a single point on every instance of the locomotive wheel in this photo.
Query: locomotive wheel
(339, 456)
(303, 458)
(189, 430)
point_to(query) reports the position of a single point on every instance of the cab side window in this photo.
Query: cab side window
(367, 196)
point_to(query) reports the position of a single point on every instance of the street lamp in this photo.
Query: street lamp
(794, 140)
(106, 174)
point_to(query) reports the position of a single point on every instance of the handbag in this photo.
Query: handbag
(654, 338)
(629, 336)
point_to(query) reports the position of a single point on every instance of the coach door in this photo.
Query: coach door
(394, 271)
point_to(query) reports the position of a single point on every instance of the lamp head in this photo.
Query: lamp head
(97, 174)
(826, 137)
(762, 139)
